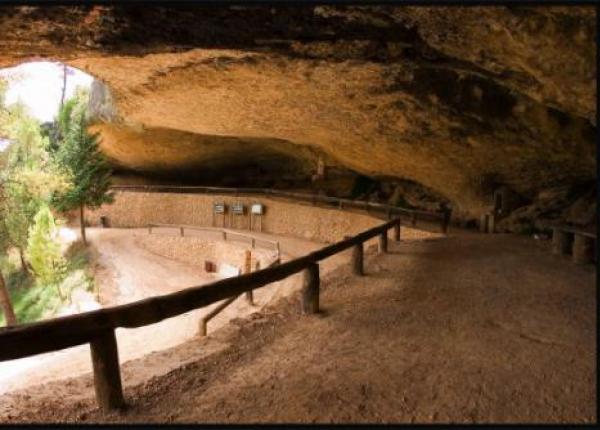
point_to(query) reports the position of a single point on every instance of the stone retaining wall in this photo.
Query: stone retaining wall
(137, 209)
(193, 250)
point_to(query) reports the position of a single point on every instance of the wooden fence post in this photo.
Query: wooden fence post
(310, 289)
(561, 242)
(483, 223)
(357, 260)
(383, 242)
(397, 231)
(202, 327)
(444, 224)
(583, 251)
(107, 375)
(248, 269)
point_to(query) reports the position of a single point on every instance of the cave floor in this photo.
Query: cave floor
(470, 328)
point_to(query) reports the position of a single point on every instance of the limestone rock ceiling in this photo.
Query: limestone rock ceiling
(452, 98)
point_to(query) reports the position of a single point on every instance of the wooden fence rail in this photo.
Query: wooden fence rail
(97, 327)
(580, 243)
(217, 310)
(387, 210)
(224, 232)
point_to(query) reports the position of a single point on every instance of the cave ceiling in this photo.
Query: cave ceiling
(453, 98)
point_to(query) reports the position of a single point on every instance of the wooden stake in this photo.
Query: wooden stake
(107, 375)
(583, 249)
(310, 290)
(561, 242)
(383, 242)
(248, 269)
(397, 231)
(357, 260)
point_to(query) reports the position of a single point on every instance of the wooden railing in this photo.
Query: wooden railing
(572, 240)
(253, 239)
(387, 211)
(217, 310)
(98, 327)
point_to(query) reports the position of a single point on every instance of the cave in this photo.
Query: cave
(445, 154)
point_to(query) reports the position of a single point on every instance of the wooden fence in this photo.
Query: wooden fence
(253, 240)
(578, 242)
(98, 327)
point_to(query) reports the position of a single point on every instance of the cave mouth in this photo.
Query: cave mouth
(143, 154)
(42, 86)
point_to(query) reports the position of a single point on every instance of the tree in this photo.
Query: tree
(43, 250)
(27, 176)
(66, 71)
(5, 301)
(88, 170)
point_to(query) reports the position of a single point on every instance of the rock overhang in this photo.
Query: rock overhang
(451, 98)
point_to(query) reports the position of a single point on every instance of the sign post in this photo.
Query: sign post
(219, 208)
(256, 212)
(237, 209)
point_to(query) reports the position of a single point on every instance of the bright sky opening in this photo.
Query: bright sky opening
(39, 86)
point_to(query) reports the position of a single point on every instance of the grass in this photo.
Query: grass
(33, 301)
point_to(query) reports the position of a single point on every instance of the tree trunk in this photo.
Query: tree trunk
(6, 304)
(64, 88)
(24, 264)
(82, 224)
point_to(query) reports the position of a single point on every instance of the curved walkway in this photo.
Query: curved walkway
(476, 328)
(129, 273)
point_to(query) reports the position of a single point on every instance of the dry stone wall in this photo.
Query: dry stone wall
(138, 209)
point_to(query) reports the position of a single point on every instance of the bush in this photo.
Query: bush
(43, 251)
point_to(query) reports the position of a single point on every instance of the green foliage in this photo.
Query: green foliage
(29, 150)
(31, 175)
(26, 189)
(33, 300)
(79, 157)
(27, 179)
(64, 120)
(43, 250)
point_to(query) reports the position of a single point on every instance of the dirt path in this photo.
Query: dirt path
(476, 328)
(130, 272)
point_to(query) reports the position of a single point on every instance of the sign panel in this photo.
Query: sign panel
(219, 208)
(237, 208)
(257, 209)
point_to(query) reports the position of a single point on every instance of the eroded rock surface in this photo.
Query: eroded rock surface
(460, 100)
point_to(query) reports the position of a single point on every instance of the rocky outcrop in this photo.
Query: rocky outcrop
(460, 100)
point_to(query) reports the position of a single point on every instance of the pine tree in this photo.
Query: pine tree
(80, 157)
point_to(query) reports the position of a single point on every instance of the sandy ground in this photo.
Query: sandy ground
(472, 328)
(130, 272)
